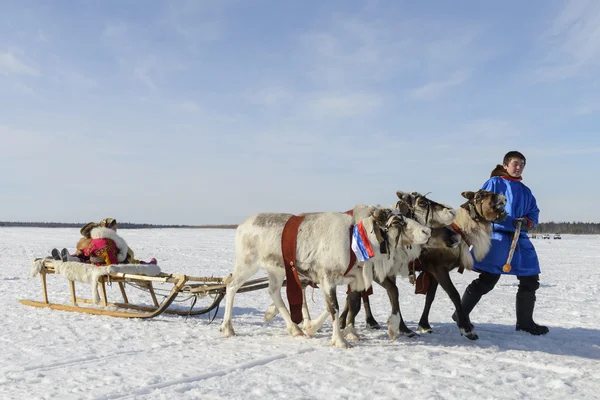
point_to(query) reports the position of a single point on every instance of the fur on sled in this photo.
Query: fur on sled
(89, 273)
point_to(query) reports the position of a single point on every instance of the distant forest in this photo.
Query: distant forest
(578, 228)
(122, 225)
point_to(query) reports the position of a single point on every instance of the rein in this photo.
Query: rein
(461, 233)
(475, 213)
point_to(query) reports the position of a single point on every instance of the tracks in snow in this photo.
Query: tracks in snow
(198, 378)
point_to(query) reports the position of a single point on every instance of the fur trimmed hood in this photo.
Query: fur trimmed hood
(83, 243)
(106, 233)
(500, 171)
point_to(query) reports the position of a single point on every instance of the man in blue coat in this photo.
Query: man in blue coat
(520, 207)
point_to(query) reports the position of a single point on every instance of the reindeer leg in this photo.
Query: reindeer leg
(314, 325)
(353, 304)
(369, 319)
(424, 326)
(395, 322)
(443, 277)
(272, 311)
(275, 284)
(344, 314)
(240, 276)
(337, 339)
(305, 313)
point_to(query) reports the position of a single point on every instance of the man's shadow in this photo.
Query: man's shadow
(578, 342)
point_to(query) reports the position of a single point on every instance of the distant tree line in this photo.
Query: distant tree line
(122, 225)
(576, 228)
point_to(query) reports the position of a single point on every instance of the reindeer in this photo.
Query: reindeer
(426, 212)
(473, 221)
(322, 256)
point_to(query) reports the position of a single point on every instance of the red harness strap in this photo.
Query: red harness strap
(289, 240)
(423, 279)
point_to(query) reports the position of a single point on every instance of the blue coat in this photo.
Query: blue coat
(519, 203)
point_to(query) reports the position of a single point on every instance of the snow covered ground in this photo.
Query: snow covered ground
(47, 354)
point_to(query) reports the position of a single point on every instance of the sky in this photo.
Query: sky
(207, 112)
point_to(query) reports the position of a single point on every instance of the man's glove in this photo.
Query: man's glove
(525, 222)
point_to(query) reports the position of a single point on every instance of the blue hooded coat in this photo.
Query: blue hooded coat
(520, 203)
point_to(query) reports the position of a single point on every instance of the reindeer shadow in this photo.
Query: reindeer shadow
(578, 342)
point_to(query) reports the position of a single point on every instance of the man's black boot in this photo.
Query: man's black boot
(525, 306)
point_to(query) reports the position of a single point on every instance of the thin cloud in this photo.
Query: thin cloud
(11, 64)
(489, 129)
(271, 96)
(186, 106)
(435, 89)
(572, 42)
(350, 51)
(142, 74)
(588, 109)
(340, 105)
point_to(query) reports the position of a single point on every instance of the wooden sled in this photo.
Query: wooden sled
(191, 286)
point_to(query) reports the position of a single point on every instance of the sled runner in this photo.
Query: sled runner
(139, 276)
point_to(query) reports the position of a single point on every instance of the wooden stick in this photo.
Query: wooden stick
(123, 293)
(103, 291)
(152, 294)
(73, 296)
(513, 246)
(44, 288)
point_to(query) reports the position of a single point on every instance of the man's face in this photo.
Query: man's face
(515, 167)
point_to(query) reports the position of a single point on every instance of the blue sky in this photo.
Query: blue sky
(205, 112)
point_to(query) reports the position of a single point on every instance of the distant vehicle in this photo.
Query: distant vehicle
(557, 236)
(546, 236)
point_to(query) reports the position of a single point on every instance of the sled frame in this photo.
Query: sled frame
(182, 284)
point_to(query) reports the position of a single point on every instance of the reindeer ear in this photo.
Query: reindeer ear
(373, 211)
(407, 197)
(468, 195)
(402, 207)
(378, 214)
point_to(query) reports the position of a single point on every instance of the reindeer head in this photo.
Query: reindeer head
(485, 205)
(423, 210)
(397, 229)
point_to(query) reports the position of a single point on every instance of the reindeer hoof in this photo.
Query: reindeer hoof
(294, 330)
(469, 335)
(271, 313)
(341, 344)
(372, 324)
(421, 329)
(352, 337)
(227, 329)
(410, 334)
(310, 329)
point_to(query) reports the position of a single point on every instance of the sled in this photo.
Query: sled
(194, 287)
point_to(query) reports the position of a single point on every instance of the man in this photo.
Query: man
(521, 208)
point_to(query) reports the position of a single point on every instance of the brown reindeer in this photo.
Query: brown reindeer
(474, 222)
